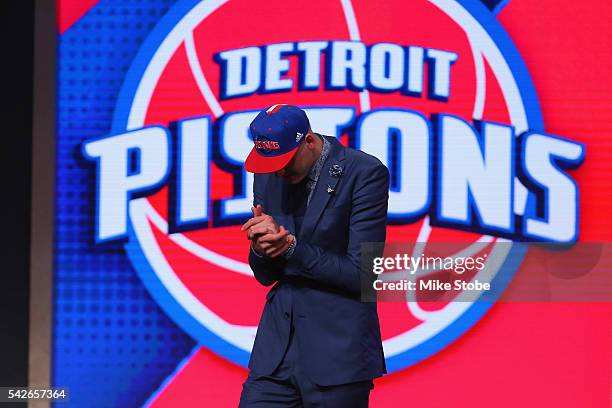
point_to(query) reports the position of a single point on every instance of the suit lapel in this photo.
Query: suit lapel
(325, 187)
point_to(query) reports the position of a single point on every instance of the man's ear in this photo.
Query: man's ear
(310, 138)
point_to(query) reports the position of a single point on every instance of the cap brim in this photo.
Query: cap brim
(256, 163)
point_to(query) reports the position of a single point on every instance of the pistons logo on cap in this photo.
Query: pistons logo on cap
(266, 145)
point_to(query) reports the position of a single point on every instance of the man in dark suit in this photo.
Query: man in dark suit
(315, 203)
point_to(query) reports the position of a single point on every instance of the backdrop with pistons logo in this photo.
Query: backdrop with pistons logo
(492, 118)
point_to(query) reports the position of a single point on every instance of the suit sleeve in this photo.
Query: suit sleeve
(266, 270)
(368, 223)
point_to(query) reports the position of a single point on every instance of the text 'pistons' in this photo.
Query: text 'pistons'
(477, 176)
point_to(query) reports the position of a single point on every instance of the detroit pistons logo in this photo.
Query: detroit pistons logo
(435, 89)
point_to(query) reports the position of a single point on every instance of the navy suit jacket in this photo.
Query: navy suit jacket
(319, 287)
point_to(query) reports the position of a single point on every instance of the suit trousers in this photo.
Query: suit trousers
(288, 386)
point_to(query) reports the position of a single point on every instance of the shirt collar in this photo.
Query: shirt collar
(315, 170)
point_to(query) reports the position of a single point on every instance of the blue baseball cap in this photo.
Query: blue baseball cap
(277, 133)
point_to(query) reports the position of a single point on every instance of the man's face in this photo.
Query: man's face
(299, 166)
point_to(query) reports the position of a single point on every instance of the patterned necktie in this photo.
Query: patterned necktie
(310, 185)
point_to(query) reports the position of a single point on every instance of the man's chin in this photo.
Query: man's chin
(294, 179)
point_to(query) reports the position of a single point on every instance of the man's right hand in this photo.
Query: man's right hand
(260, 224)
(275, 238)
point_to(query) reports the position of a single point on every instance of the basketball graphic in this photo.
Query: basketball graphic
(346, 72)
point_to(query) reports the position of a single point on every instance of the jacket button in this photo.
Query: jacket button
(286, 315)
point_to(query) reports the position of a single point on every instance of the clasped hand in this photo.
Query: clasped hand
(266, 235)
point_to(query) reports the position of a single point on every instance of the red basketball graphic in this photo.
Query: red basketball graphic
(205, 269)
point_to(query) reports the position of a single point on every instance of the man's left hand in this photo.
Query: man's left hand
(274, 245)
